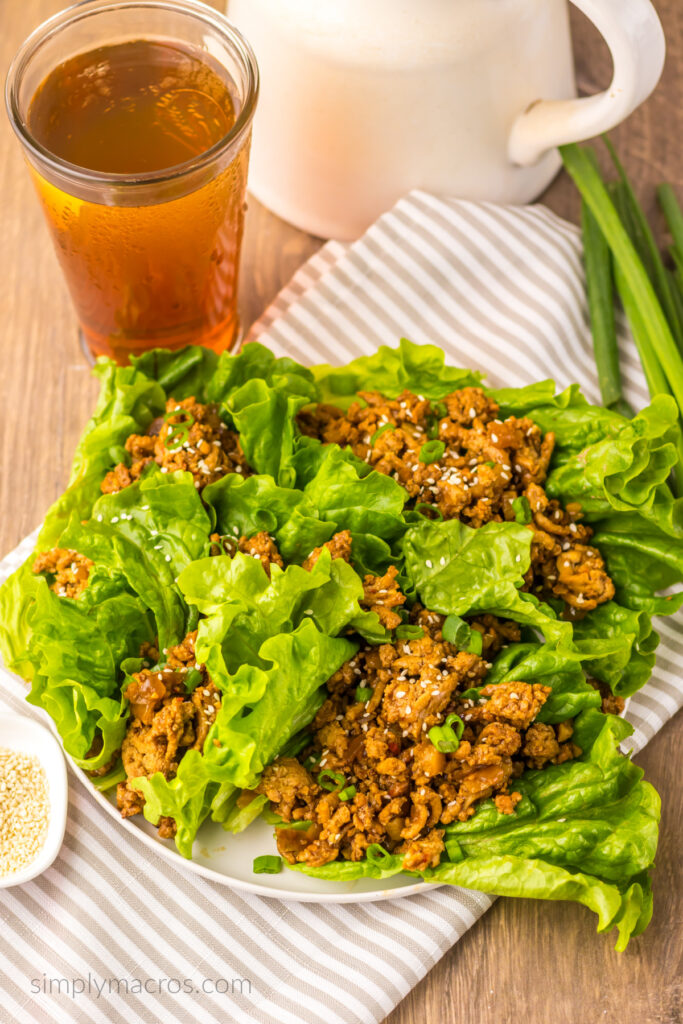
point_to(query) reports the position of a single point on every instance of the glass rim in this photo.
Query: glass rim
(88, 8)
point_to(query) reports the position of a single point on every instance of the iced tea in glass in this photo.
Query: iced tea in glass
(135, 119)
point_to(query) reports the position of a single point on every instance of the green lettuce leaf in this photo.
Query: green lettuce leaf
(127, 403)
(628, 667)
(148, 532)
(17, 601)
(626, 469)
(417, 368)
(76, 648)
(459, 570)
(642, 561)
(244, 507)
(351, 496)
(182, 373)
(260, 396)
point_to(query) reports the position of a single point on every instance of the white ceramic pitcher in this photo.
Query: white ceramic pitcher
(362, 100)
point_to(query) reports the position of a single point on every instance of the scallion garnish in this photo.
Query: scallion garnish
(445, 738)
(364, 693)
(347, 793)
(179, 431)
(459, 725)
(378, 433)
(459, 633)
(193, 678)
(409, 631)
(428, 511)
(455, 630)
(522, 510)
(432, 451)
(454, 850)
(475, 642)
(268, 864)
(330, 780)
(376, 853)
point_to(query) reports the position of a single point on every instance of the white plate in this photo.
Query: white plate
(228, 859)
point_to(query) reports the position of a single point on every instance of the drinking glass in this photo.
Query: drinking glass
(151, 259)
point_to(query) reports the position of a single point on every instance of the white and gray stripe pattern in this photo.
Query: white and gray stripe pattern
(500, 289)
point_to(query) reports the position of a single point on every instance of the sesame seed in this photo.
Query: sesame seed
(24, 810)
(428, 563)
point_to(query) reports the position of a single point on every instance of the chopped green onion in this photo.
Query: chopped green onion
(312, 760)
(193, 678)
(454, 850)
(475, 643)
(409, 631)
(423, 506)
(299, 826)
(438, 412)
(347, 793)
(443, 738)
(267, 865)
(179, 431)
(459, 633)
(490, 464)
(378, 433)
(376, 853)
(330, 780)
(522, 510)
(432, 451)
(460, 727)
(455, 630)
(364, 693)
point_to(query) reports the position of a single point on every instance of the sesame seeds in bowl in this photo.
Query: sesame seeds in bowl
(33, 799)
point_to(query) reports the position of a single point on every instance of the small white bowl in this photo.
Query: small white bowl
(26, 736)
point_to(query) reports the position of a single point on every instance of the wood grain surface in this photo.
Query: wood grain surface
(524, 961)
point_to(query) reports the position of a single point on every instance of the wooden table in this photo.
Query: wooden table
(525, 961)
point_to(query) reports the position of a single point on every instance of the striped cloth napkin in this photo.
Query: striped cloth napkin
(111, 934)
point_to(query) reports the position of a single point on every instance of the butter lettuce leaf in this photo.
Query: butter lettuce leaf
(458, 570)
(76, 649)
(244, 507)
(421, 369)
(149, 532)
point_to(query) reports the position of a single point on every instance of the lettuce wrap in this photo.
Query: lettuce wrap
(584, 830)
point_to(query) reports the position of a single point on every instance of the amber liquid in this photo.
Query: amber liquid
(163, 273)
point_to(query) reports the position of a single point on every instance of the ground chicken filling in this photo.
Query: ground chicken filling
(486, 464)
(392, 785)
(170, 713)
(190, 437)
(67, 570)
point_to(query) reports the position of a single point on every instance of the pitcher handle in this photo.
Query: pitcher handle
(634, 35)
